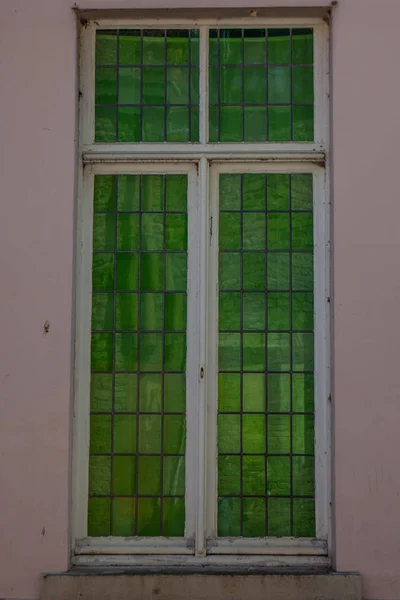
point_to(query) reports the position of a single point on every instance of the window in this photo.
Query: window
(202, 344)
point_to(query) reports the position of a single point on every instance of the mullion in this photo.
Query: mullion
(138, 348)
(163, 356)
(290, 335)
(165, 88)
(241, 355)
(190, 84)
(266, 316)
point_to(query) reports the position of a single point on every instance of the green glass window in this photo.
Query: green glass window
(261, 85)
(266, 354)
(138, 355)
(147, 85)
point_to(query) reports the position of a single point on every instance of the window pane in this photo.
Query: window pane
(266, 351)
(138, 353)
(147, 85)
(261, 84)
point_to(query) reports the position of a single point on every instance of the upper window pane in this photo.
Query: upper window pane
(147, 86)
(261, 85)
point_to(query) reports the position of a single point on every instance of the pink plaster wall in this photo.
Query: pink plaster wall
(37, 175)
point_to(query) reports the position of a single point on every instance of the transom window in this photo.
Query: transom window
(202, 371)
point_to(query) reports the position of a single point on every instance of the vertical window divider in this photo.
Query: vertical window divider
(204, 83)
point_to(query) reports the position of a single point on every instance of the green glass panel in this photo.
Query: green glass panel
(229, 311)
(229, 191)
(99, 475)
(102, 311)
(303, 123)
(105, 124)
(153, 86)
(100, 392)
(151, 272)
(177, 85)
(278, 434)
(279, 517)
(106, 48)
(178, 48)
(106, 86)
(229, 517)
(153, 124)
(174, 475)
(99, 517)
(228, 392)
(194, 86)
(254, 392)
(150, 351)
(279, 351)
(174, 352)
(279, 392)
(253, 192)
(126, 311)
(124, 515)
(152, 232)
(124, 475)
(278, 231)
(128, 192)
(231, 46)
(255, 123)
(302, 231)
(231, 124)
(173, 517)
(176, 192)
(253, 434)
(279, 124)
(278, 271)
(148, 517)
(253, 475)
(174, 392)
(303, 310)
(126, 358)
(253, 231)
(129, 124)
(175, 312)
(154, 47)
(228, 475)
(278, 311)
(304, 517)
(100, 434)
(129, 47)
(302, 85)
(278, 476)
(127, 232)
(150, 397)
(254, 271)
(254, 46)
(229, 352)
(125, 434)
(194, 136)
(228, 433)
(302, 46)
(303, 351)
(176, 271)
(302, 271)
(149, 434)
(213, 86)
(278, 191)
(253, 517)
(255, 85)
(278, 46)
(253, 351)
(174, 434)
(303, 392)
(176, 232)
(177, 124)
(195, 47)
(253, 310)
(149, 474)
(105, 187)
(125, 392)
(229, 272)
(213, 115)
(128, 86)
(302, 191)
(127, 271)
(303, 434)
(279, 85)
(102, 352)
(229, 231)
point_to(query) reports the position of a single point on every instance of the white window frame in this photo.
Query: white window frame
(202, 162)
